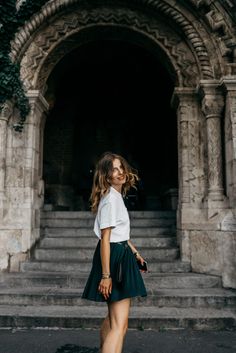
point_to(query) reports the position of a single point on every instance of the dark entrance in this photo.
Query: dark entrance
(110, 95)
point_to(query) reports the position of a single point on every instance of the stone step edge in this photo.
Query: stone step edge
(41, 247)
(165, 292)
(150, 312)
(93, 236)
(84, 261)
(56, 274)
(168, 214)
(49, 235)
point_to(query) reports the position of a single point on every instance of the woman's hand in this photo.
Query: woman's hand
(105, 287)
(140, 259)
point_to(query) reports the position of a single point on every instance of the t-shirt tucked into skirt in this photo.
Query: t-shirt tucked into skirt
(132, 284)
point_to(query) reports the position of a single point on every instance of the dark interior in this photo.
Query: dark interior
(109, 95)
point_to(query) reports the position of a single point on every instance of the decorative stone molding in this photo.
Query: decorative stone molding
(191, 173)
(5, 115)
(38, 105)
(221, 18)
(6, 111)
(24, 37)
(212, 104)
(57, 39)
(228, 84)
(212, 107)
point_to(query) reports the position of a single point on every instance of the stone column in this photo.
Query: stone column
(212, 107)
(33, 182)
(4, 117)
(20, 224)
(190, 165)
(229, 86)
(190, 148)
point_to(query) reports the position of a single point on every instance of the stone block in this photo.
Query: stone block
(4, 258)
(184, 243)
(25, 241)
(18, 141)
(15, 176)
(28, 177)
(206, 256)
(15, 261)
(10, 240)
(229, 259)
(229, 222)
(16, 218)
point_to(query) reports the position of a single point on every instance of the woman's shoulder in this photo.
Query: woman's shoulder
(108, 198)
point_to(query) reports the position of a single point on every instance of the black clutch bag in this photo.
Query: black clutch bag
(142, 267)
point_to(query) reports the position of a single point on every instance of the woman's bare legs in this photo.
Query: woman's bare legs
(105, 328)
(118, 318)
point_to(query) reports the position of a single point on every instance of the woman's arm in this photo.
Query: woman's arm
(105, 285)
(105, 250)
(136, 253)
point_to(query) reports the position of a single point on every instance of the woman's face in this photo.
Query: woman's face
(118, 177)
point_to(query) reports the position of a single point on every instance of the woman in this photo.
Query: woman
(113, 177)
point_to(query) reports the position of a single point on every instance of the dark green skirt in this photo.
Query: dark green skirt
(132, 284)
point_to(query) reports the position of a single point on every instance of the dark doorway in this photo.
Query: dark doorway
(110, 95)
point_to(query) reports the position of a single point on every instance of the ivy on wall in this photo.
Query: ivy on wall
(11, 87)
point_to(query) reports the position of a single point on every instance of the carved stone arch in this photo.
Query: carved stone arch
(174, 14)
(159, 47)
(61, 36)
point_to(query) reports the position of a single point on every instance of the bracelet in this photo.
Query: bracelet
(106, 275)
(136, 253)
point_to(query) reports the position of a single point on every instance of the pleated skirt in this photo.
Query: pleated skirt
(132, 284)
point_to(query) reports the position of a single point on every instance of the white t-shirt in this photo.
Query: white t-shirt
(113, 213)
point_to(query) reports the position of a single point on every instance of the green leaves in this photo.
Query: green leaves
(11, 86)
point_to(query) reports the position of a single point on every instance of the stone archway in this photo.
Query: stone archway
(193, 57)
(110, 95)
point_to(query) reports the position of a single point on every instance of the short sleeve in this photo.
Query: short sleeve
(107, 216)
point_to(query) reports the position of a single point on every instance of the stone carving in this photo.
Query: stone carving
(212, 106)
(216, 20)
(196, 174)
(184, 162)
(214, 154)
(190, 148)
(6, 111)
(40, 50)
(111, 16)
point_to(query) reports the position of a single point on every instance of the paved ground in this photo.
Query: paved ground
(87, 341)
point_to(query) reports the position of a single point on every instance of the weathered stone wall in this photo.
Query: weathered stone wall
(20, 217)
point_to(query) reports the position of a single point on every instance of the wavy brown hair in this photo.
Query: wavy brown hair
(103, 172)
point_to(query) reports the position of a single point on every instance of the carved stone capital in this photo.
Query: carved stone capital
(212, 99)
(6, 111)
(37, 102)
(228, 84)
(182, 95)
(212, 106)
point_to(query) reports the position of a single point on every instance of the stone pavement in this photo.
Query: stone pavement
(87, 341)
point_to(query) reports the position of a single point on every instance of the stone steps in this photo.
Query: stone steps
(47, 291)
(89, 215)
(88, 232)
(176, 298)
(154, 282)
(141, 317)
(89, 222)
(85, 266)
(77, 254)
(89, 242)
